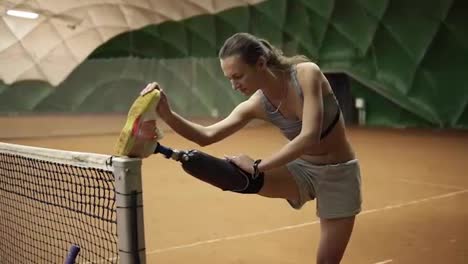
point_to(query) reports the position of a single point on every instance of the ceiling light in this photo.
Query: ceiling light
(22, 14)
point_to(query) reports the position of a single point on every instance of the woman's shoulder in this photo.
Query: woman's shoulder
(307, 72)
(307, 68)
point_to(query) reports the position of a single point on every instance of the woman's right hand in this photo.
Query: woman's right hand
(163, 108)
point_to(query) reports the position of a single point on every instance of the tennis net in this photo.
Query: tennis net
(53, 199)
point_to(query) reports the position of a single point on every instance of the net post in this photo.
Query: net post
(129, 200)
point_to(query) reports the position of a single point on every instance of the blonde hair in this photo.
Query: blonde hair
(250, 49)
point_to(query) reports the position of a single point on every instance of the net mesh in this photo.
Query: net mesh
(47, 206)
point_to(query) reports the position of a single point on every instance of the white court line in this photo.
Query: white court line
(444, 186)
(210, 241)
(384, 262)
(279, 229)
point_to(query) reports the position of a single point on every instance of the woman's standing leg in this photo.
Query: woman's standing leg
(334, 237)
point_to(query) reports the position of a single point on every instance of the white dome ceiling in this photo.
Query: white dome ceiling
(67, 31)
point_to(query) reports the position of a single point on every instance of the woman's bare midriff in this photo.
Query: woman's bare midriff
(333, 149)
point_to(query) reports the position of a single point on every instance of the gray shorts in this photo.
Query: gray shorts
(337, 187)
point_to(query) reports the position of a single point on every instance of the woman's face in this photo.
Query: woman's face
(244, 77)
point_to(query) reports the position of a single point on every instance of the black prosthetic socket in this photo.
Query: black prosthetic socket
(217, 172)
(221, 173)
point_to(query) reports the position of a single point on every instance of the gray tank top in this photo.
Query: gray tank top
(292, 127)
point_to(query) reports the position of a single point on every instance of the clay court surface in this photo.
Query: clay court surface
(415, 191)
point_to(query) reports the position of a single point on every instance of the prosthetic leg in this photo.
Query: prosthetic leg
(139, 138)
(217, 172)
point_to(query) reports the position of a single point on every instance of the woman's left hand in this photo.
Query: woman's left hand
(242, 161)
